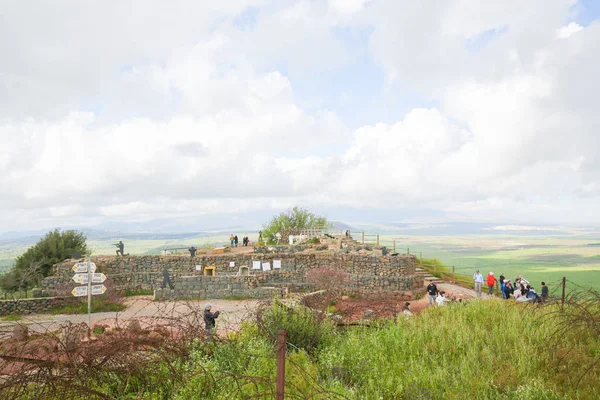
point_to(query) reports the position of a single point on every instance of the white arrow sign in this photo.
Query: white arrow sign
(83, 278)
(79, 291)
(98, 289)
(83, 267)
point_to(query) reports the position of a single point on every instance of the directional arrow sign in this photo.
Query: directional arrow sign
(79, 291)
(83, 267)
(83, 278)
(98, 289)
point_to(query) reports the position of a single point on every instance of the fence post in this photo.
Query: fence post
(378, 239)
(421, 258)
(281, 345)
(394, 245)
(408, 250)
(363, 237)
(564, 284)
(453, 275)
(434, 267)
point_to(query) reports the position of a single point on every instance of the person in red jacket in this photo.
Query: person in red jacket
(491, 281)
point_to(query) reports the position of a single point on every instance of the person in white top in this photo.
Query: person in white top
(406, 310)
(441, 299)
(478, 279)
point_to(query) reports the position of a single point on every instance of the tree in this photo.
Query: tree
(296, 218)
(36, 263)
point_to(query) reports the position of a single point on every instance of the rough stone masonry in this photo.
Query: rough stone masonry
(368, 274)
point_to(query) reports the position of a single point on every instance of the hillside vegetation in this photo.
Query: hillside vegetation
(481, 350)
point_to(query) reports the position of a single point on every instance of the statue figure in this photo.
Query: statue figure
(192, 251)
(166, 279)
(121, 248)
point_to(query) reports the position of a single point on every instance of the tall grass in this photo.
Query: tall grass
(486, 349)
(482, 350)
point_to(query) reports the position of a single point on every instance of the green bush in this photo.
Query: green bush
(306, 329)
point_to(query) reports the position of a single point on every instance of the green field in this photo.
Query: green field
(537, 258)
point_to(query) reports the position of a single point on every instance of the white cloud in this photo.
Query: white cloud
(178, 111)
(566, 31)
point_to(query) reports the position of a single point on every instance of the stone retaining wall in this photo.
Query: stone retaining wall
(367, 273)
(33, 306)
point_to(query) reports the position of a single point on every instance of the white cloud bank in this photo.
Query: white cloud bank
(140, 111)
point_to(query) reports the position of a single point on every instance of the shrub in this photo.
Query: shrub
(306, 330)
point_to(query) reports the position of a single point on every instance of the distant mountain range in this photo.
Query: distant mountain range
(417, 229)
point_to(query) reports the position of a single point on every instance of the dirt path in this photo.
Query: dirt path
(452, 292)
(143, 308)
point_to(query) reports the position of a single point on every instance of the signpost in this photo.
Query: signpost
(85, 274)
(83, 278)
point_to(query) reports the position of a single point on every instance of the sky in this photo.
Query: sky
(136, 111)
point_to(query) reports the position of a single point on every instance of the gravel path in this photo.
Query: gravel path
(142, 308)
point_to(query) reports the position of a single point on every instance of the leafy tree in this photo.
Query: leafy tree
(36, 263)
(296, 218)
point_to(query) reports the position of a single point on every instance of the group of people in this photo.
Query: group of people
(435, 296)
(520, 289)
(234, 240)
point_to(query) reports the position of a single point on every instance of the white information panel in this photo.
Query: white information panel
(276, 264)
(255, 264)
(198, 267)
(266, 266)
(232, 263)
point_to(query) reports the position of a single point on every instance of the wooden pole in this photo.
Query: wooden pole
(408, 250)
(378, 239)
(421, 258)
(363, 237)
(394, 245)
(564, 284)
(453, 275)
(280, 382)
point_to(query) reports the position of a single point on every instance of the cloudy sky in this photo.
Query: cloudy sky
(458, 110)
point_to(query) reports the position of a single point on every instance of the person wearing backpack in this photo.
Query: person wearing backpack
(502, 281)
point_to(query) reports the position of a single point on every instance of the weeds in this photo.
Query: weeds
(11, 317)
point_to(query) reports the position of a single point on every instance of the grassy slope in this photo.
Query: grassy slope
(482, 350)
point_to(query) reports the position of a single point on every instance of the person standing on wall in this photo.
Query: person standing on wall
(232, 240)
(235, 239)
(491, 281)
(432, 292)
(478, 280)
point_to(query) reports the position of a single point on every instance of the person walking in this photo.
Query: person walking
(210, 319)
(491, 282)
(432, 291)
(478, 279)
